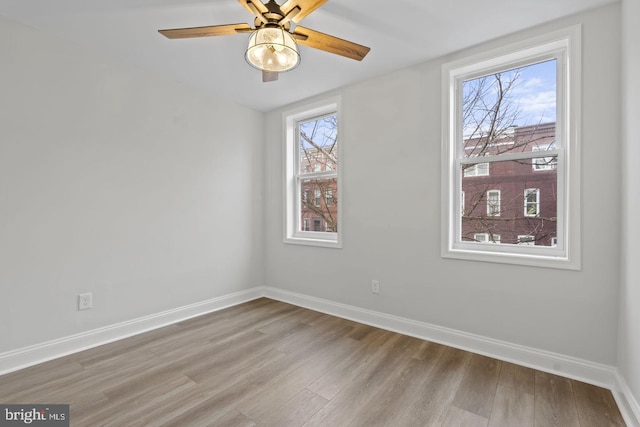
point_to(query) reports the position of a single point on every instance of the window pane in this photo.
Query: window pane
(496, 107)
(513, 201)
(321, 210)
(318, 145)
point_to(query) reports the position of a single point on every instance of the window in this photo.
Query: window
(514, 112)
(493, 203)
(481, 237)
(328, 199)
(531, 202)
(486, 238)
(544, 163)
(526, 240)
(312, 175)
(479, 169)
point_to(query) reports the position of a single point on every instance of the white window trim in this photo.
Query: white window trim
(549, 166)
(291, 217)
(526, 213)
(498, 205)
(567, 255)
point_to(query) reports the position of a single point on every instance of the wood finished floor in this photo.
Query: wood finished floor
(267, 363)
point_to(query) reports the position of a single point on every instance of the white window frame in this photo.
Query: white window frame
(547, 163)
(564, 46)
(478, 169)
(528, 191)
(493, 209)
(293, 233)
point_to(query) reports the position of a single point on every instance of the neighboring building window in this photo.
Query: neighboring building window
(328, 197)
(479, 169)
(531, 202)
(486, 238)
(526, 240)
(312, 170)
(544, 163)
(513, 112)
(481, 237)
(493, 203)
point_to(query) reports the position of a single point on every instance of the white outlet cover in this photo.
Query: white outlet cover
(85, 301)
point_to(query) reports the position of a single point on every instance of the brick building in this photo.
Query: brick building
(511, 202)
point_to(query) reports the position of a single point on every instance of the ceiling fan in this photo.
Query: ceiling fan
(272, 45)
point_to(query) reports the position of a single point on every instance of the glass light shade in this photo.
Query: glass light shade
(272, 49)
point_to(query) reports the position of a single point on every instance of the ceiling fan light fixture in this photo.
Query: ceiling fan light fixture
(272, 49)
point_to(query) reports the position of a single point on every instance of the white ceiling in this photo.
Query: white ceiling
(400, 33)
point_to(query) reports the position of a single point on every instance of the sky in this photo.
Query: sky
(537, 93)
(533, 94)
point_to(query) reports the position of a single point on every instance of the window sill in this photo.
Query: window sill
(315, 239)
(531, 260)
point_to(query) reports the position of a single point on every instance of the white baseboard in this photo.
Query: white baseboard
(32, 355)
(582, 370)
(629, 406)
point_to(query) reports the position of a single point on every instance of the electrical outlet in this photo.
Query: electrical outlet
(375, 286)
(85, 301)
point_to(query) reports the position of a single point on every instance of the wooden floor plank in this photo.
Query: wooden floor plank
(457, 417)
(478, 388)
(555, 404)
(596, 406)
(267, 363)
(440, 385)
(512, 408)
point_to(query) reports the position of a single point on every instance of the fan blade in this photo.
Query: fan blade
(269, 76)
(318, 40)
(260, 7)
(214, 30)
(306, 7)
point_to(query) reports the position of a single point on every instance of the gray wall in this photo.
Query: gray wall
(391, 166)
(629, 347)
(117, 182)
